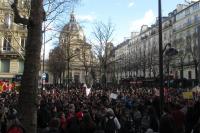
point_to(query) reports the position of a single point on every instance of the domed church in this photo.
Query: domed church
(78, 52)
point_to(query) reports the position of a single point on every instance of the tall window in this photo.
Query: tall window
(21, 66)
(181, 74)
(23, 43)
(196, 18)
(8, 20)
(7, 44)
(189, 21)
(5, 65)
(187, 12)
(196, 6)
(189, 58)
(176, 75)
(189, 74)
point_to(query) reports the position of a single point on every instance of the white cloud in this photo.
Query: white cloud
(87, 18)
(130, 4)
(148, 19)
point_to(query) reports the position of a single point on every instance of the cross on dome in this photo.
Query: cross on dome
(72, 17)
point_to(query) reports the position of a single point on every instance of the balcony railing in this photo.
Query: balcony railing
(187, 24)
(144, 37)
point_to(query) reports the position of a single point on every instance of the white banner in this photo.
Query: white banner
(113, 96)
(88, 90)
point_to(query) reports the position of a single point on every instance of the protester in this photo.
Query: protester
(53, 127)
(87, 125)
(112, 124)
(128, 110)
(167, 124)
(13, 123)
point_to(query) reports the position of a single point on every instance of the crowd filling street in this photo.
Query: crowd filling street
(106, 110)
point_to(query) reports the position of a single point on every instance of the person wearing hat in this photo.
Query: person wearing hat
(14, 125)
(112, 124)
(53, 127)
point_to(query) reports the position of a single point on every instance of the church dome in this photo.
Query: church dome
(74, 28)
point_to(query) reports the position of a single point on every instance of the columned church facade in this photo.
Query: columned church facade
(78, 53)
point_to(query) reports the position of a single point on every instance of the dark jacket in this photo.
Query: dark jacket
(167, 124)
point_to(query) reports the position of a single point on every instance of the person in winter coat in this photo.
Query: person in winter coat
(13, 124)
(112, 124)
(53, 126)
(44, 115)
(167, 124)
(153, 119)
(179, 119)
(87, 125)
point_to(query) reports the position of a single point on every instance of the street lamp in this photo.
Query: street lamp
(170, 52)
(43, 57)
(161, 50)
(160, 57)
(181, 56)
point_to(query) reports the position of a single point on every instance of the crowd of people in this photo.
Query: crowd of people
(134, 110)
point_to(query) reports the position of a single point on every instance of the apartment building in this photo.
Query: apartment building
(180, 29)
(12, 41)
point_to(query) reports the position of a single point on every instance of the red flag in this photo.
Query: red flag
(4, 86)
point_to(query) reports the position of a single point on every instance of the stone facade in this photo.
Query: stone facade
(12, 42)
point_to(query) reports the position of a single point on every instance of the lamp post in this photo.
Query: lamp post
(43, 57)
(198, 34)
(181, 56)
(169, 53)
(160, 57)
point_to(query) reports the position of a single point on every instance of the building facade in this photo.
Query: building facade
(139, 55)
(12, 42)
(79, 57)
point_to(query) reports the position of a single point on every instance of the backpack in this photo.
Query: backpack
(127, 127)
(73, 126)
(16, 129)
(110, 126)
(145, 122)
(100, 126)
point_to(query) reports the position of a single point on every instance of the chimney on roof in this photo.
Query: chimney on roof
(133, 34)
(180, 7)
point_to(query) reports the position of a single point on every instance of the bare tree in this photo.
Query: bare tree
(136, 63)
(103, 35)
(150, 60)
(86, 59)
(66, 39)
(154, 60)
(194, 51)
(181, 54)
(57, 64)
(28, 93)
(144, 60)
